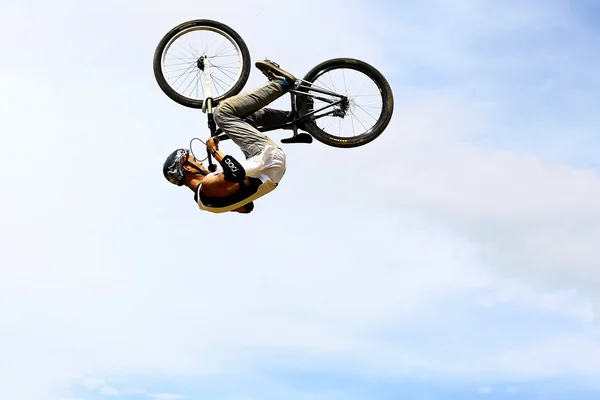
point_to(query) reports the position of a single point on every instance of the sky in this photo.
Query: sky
(455, 257)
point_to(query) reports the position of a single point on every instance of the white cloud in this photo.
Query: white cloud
(534, 220)
(567, 302)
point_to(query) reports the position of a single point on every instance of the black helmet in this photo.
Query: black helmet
(173, 166)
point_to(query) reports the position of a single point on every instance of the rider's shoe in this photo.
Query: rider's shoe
(274, 73)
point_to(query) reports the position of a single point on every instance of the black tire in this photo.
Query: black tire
(179, 30)
(305, 103)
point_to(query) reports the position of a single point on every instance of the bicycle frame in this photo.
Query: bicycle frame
(294, 93)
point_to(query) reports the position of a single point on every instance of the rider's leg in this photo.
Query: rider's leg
(269, 117)
(230, 113)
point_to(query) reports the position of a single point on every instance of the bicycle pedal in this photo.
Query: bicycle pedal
(299, 138)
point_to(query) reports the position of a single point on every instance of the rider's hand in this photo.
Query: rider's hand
(212, 144)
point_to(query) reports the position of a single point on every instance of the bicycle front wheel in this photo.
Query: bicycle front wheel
(196, 50)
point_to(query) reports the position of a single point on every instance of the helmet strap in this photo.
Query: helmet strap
(195, 167)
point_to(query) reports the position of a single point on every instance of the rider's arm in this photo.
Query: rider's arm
(246, 168)
(233, 171)
(218, 155)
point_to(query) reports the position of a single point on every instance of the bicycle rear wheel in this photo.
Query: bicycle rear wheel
(186, 52)
(364, 98)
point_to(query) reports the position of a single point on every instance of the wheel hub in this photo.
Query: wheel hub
(342, 108)
(200, 63)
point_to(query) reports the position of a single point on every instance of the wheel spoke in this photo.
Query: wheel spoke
(368, 113)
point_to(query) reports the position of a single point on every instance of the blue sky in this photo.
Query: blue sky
(455, 257)
(527, 64)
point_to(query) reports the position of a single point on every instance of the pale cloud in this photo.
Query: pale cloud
(553, 357)
(568, 302)
(92, 383)
(533, 219)
(99, 385)
(108, 391)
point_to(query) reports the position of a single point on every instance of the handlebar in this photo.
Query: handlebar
(212, 167)
(207, 108)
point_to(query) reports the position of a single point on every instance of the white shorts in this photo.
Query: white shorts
(269, 166)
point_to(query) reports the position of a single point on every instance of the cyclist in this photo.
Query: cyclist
(240, 182)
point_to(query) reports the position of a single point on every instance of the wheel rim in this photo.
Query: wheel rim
(183, 70)
(354, 118)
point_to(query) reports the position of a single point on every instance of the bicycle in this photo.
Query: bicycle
(308, 90)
